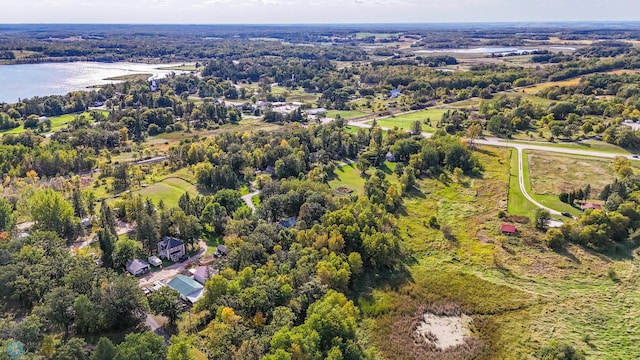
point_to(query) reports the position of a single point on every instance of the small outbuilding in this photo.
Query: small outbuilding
(590, 206)
(155, 261)
(222, 250)
(390, 157)
(138, 267)
(507, 229)
(203, 273)
(189, 289)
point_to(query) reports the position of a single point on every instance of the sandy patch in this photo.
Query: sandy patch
(443, 332)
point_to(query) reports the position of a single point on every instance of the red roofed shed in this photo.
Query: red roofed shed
(590, 206)
(507, 229)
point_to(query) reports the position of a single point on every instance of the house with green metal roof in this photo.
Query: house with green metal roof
(189, 289)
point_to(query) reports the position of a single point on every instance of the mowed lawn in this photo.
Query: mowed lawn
(405, 121)
(169, 190)
(350, 177)
(517, 204)
(346, 114)
(57, 122)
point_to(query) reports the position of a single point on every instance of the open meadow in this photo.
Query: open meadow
(519, 294)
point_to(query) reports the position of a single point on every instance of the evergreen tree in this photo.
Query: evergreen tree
(108, 219)
(107, 242)
(105, 350)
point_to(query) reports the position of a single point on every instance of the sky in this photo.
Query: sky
(313, 11)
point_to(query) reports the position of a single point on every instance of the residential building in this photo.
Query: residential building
(138, 267)
(171, 248)
(189, 289)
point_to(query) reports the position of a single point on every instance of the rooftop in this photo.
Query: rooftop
(187, 287)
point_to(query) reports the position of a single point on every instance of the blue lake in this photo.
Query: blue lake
(481, 50)
(29, 80)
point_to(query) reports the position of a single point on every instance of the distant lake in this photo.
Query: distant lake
(29, 80)
(481, 50)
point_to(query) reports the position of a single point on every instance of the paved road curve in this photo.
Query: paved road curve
(248, 200)
(523, 188)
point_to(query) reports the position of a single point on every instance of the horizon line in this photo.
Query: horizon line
(484, 22)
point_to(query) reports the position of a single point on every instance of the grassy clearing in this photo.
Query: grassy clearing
(547, 199)
(405, 121)
(361, 35)
(346, 114)
(130, 77)
(552, 174)
(168, 190)
(517, 203)
(57, 122)
(520, 295)
(454, 273)
(295, 95)
(536, 88)
(349, 176)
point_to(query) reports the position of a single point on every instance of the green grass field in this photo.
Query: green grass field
(295, 95)
(348, 176)
(346, 114)
(547, 199)
(57, 122)
(517, 203)
(520, 295)
(168, 190)
(405, 121)
(377, 35)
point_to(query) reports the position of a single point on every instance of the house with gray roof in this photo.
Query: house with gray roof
(138, 267)
(171, 248)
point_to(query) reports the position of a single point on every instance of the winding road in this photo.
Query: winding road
(520, 147)
(523, 188)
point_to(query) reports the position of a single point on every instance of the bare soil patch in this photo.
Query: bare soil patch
(443, 332)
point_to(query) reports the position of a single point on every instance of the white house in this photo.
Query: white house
(138, 267)
(171, 248)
